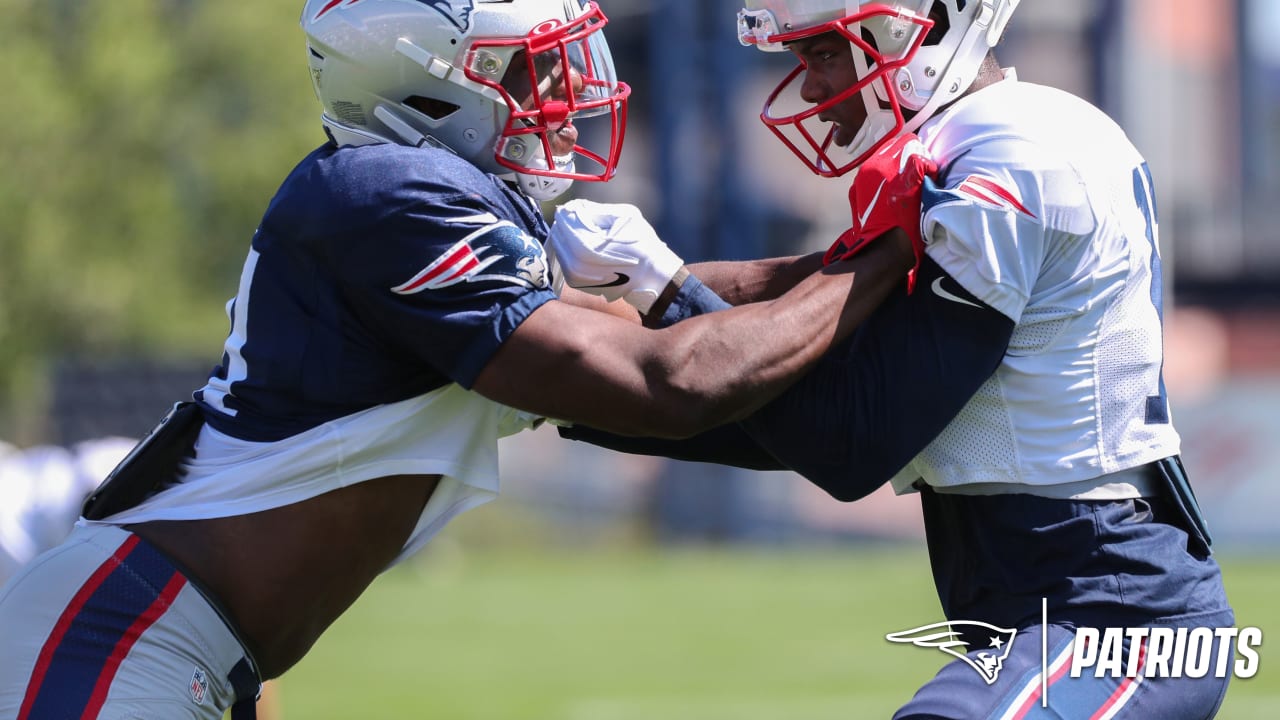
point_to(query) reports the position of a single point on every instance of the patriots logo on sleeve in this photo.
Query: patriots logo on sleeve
(988, 191)
(498, 251)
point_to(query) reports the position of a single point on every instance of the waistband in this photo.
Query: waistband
(245, 680)
(1127, 484)
(229, 651)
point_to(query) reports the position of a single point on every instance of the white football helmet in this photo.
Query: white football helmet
(494, 81)
(908, 66)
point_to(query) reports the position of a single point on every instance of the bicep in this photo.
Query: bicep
(577, 364)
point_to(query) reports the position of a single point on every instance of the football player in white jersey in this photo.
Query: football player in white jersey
(41, 491)
(395, 317)
(1015, 383)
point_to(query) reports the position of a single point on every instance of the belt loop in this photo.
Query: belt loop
(246, 709)
(247, 687)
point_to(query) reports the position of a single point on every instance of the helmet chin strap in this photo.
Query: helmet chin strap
(542, 187)
(875, 128)
(344, 135)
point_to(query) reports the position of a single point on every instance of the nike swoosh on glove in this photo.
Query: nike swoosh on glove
(610, 250)
(885, 195)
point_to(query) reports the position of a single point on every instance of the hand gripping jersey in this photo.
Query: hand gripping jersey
(1045, 211)
(380, 282)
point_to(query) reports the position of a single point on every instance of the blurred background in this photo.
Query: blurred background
(144, 139)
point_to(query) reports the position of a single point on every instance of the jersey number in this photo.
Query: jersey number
(234, 366)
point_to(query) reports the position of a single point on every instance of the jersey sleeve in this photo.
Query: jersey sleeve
(873, 403)
(985, 221)
(723, 445)
(449, 280)
(693, 299)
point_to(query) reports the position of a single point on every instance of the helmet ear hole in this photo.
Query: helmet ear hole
(870, 39)
(435, 109)
(941, 22)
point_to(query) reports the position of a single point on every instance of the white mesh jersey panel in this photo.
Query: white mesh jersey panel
(1044, 218)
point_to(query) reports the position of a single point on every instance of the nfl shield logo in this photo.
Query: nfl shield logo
(199, 687)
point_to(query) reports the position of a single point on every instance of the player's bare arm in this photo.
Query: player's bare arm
(737, 282)
(594, 364)
(746, 281)
(610, 374)
(587, 301)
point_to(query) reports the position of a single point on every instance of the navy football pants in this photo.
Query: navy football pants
(1122, 563)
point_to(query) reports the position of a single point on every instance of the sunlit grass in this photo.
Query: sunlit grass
(616, 635)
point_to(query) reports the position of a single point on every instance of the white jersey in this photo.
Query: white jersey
(1046, 212)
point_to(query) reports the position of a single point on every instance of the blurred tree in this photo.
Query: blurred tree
(142, 141)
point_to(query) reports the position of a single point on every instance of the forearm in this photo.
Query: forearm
(744, 282)
(617, 308)
(749, 281)
(737, 360)
(698, 374)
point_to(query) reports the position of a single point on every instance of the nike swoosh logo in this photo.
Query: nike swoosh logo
(620, 280)
(872, 206)
(942, 293)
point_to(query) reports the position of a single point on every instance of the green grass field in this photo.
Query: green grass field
(621, 635)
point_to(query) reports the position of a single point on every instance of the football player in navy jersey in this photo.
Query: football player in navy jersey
(1015, 383)
(395, 316)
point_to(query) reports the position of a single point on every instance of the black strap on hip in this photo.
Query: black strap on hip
(1174, 475)
(154, 462)
(244, 681)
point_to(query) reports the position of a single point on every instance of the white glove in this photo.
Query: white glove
(611, 251)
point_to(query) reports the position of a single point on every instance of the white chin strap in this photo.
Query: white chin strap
(541, 187)
(875, 128)
(345, 135)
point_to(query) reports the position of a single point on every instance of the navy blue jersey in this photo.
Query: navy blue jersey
(378, 273)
